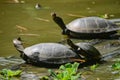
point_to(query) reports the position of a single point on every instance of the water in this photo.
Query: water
(36, 25)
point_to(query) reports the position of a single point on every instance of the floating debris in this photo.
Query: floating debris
(107, 16)
(29, 34)
(41, 19)
(74, 15)
(93, 2)
(15, 1)
(21, 28)
(22, 1)
(38, 6)
(88, 8)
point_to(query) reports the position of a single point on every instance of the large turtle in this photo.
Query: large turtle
(44, 54)
(86, 51)
(88, 27)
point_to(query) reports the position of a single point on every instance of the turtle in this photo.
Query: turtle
(44, 54)
(86, 51)
(88, 27)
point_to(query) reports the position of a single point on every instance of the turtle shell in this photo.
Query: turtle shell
(90, 51)
(92, 25)
(51, 53)
(92, 28)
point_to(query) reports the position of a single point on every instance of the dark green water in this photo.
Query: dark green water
(37, 25)
(25, 15)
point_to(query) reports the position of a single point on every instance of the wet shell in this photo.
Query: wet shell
(49, 53)
(92, 25)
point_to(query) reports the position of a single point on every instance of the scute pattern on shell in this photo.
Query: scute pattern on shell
(49, 52)
(91, 50)
(92, 25)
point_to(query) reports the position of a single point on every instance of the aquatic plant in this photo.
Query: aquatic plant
(7, 74)
(116, 65)
(93, 67)
(66, 72)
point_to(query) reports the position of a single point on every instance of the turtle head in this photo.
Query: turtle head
(18, 44)
(72, 45)
(60, 23)
(75, 48)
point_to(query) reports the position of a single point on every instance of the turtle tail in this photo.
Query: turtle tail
(18, 44)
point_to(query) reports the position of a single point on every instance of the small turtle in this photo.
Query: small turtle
(88, 27)
(43, 54)
(85, 51)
